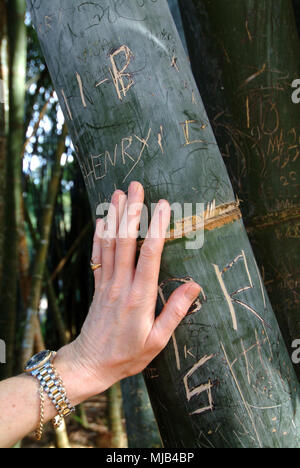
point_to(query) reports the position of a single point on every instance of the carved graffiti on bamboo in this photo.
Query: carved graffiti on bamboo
(279, 145)
(98, 166)
(291, 231)
(130, 151)
(196, 306)
(239, 389)
(207, 386)
(186, 131)
(232, 297)
(109, 10)
(198, 390)
(266, 137)
(284, 148)
(119, 76)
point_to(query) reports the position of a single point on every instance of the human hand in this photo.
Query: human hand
(121, 335)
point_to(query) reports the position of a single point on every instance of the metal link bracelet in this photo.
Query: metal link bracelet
(41, 367)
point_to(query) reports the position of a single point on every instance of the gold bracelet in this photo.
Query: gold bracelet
(41, 367)
(39, 431)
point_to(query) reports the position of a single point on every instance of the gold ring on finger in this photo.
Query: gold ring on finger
(95, 266)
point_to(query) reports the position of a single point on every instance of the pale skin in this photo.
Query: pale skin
(121, 335)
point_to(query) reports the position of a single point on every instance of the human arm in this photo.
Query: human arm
(121, 335)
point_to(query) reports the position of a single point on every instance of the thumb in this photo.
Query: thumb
(175, 310)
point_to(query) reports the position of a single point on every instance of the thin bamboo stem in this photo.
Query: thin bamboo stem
(42, 251)
(17, 73)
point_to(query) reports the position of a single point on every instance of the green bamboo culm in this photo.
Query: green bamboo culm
(296, 4)
(16, 32)
(175, 10)
(134, 113)
(141, 426)
(246, 80)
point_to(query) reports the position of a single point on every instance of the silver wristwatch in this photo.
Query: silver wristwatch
(40, 366)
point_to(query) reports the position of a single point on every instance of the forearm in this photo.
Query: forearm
(20, 400)
(121, 334)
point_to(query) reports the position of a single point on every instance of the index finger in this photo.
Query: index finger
(147, 271)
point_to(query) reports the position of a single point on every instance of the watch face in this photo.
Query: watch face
(37, 360)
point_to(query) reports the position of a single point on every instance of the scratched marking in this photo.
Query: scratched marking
(67, 104)
(79, 80)
(97, 166)
(174, 63)
(145, 145)
(227, 297)
(261, 285)
(177, 357)
(160, 136)
(101, 82)
(246, 361)
(247, 406)
(190, 393)
(118, 76)
(186, 130)
(230, 298)
(195, 307)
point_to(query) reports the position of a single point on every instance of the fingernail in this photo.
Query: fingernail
(193, 291)
(117, 194)
(162, 202)
(135, 187)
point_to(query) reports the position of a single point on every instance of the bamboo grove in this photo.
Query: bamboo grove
(193, 98)
(134, 111)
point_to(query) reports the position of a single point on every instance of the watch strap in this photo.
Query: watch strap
(53, 387)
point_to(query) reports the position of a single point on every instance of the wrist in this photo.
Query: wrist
(79, 382)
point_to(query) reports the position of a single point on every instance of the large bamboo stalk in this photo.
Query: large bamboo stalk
(134, 112)
(296, 4)
(257, 128)
(175, 10)
(17, 72)
(141, 426)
